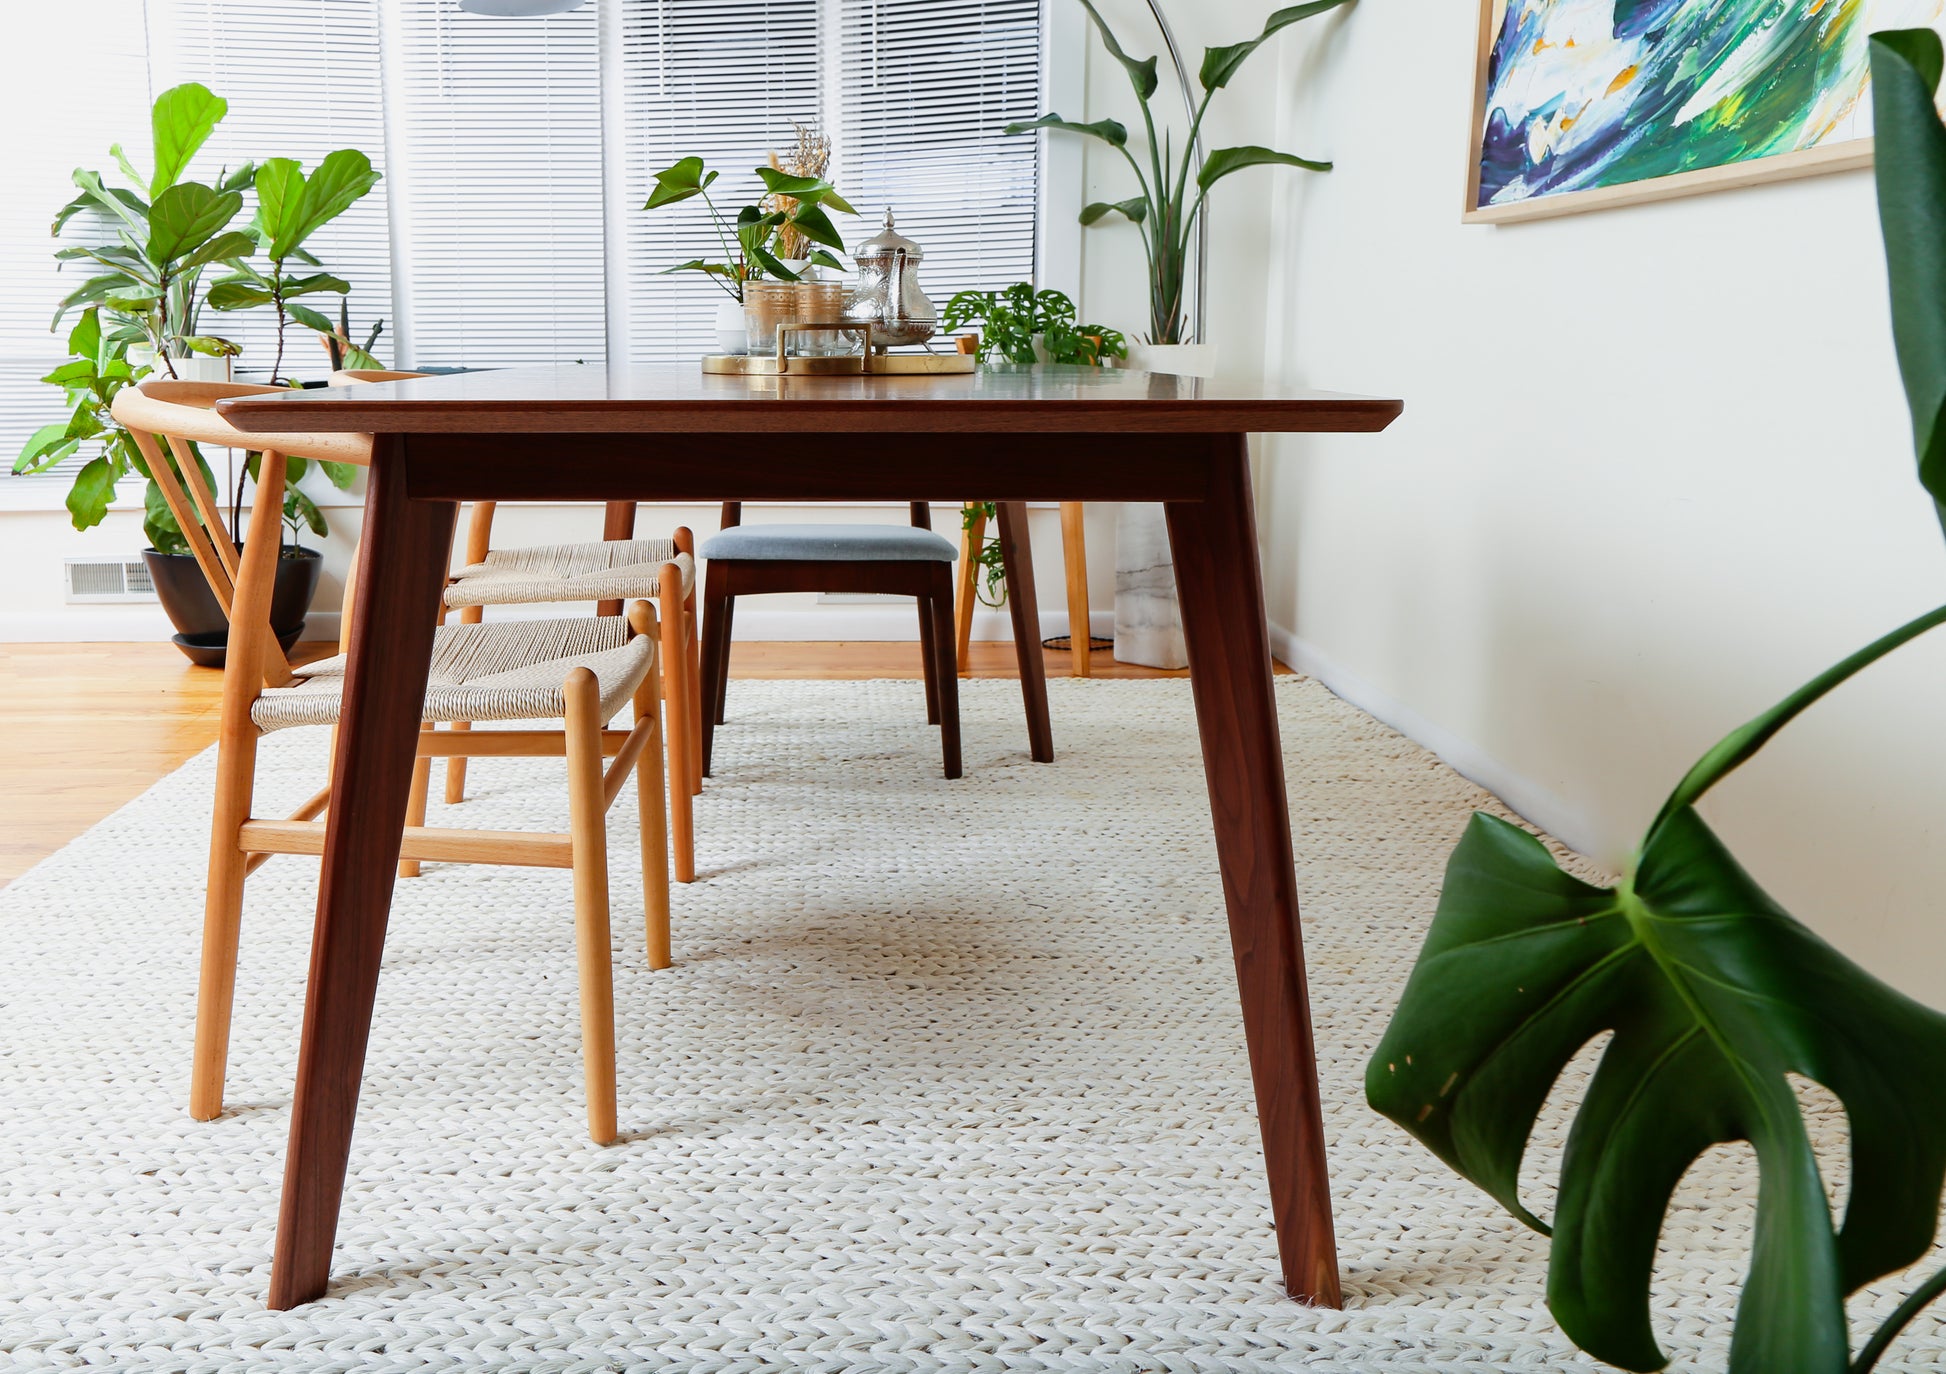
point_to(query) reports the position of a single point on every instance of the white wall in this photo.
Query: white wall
(1653, 473)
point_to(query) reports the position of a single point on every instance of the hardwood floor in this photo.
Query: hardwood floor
(86, 727)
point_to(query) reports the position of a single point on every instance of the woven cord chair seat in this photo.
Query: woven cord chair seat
(606, 570)
(509, 670)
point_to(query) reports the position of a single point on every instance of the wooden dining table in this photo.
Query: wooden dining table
(670, 433)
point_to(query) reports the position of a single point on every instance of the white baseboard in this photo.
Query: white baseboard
(1523, 795)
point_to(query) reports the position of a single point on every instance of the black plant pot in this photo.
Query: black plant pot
(202, 631)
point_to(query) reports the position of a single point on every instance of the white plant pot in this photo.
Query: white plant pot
(1177, 360)
(1148, 618)
(730, 336)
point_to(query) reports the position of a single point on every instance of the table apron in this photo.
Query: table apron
(808, 467)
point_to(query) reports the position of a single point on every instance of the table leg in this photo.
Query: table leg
(1017, 558)
(1217, 576)
(400, 574)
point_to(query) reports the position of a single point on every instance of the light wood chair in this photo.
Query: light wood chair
(1074, 549)
(618, 568)
(584, 670)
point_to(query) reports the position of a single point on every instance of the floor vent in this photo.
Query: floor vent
(108, 579)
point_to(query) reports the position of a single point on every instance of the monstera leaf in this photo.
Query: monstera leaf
(1714, 995)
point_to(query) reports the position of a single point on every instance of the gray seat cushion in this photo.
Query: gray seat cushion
(831, 543)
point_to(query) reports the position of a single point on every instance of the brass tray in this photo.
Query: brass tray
(866, 362)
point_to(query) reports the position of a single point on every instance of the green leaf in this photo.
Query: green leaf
(244, 178)
(93, 290)
(186, 217)
(1107, 130)
(816, 226)
(128, 168)
(1141, 73)
(824, 259)
(341, 475)
(1136, 208)
(81, 370)
(1910, 162)
(301, 509)
(1220, 64)
(92, 492)
(356, 359)
(308, 317)
(715, 269)
(679, 182)
(210, 346)
(159, 523)
(1224, 161)
(33, 454)
(1714, 994)
(316, 282)
(292, 207)
(233, 293)
(233, 244)
(123, 205)
(781, 183)
(770, 262)
(181, 120)
(836, 202)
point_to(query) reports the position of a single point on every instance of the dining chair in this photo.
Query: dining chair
(900, 560)
(582, 670)
(1074, 550)
(617, 568)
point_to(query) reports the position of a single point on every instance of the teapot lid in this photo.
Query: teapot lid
(888, 242)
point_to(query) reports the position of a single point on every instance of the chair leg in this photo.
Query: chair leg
(685, 542)
(588, 833)
(415, 806)
(715, 664)
(1074, 552)
(929, 659)
(456, 766)
(971, 539)
(940, 605)
(674, 653)
(654, 817)
(236, 772)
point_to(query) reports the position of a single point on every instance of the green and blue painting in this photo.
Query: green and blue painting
(1583, 94)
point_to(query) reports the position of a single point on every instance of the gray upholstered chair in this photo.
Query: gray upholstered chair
(900, 560)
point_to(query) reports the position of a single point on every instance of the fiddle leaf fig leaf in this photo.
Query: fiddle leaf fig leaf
(181, 121)
(1910, 162)
(1109, 131)
(1220, 64)
(185, 217)
(1141, 71)
(1714, 994)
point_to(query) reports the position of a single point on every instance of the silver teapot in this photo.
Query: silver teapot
(887, 295)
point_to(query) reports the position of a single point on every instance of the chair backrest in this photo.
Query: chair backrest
(182, 413)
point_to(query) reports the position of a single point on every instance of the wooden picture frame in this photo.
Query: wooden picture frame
(1833, 157)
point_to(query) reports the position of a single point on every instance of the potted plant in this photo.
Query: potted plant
(140, 316)
(1713, 994)
(1164, 213)
(1023, 325)
(790, 216)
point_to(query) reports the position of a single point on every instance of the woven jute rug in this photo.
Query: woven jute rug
(947, 1076)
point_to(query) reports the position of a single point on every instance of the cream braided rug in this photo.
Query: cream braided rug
(948, 1076)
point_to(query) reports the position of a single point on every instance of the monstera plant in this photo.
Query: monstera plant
(1713, 993)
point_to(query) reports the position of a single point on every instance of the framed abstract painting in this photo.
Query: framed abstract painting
(1581, 104)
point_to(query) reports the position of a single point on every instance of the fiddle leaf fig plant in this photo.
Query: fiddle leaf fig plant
(1164, 212)
(290, 208)
(1713, 993)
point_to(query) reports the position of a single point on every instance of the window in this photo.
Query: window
(517, 154)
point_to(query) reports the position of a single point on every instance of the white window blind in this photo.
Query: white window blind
(302, 80)
(716, 79)
(57, 127)
(924, 89)
(497, 195)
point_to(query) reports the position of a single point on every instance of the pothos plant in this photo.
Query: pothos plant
(1713, 993)
(791, 204)
(1164, 211)
(1011, 320)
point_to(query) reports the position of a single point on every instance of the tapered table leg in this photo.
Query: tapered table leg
(400, 574)
(1017, 561)
(1215, 547)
